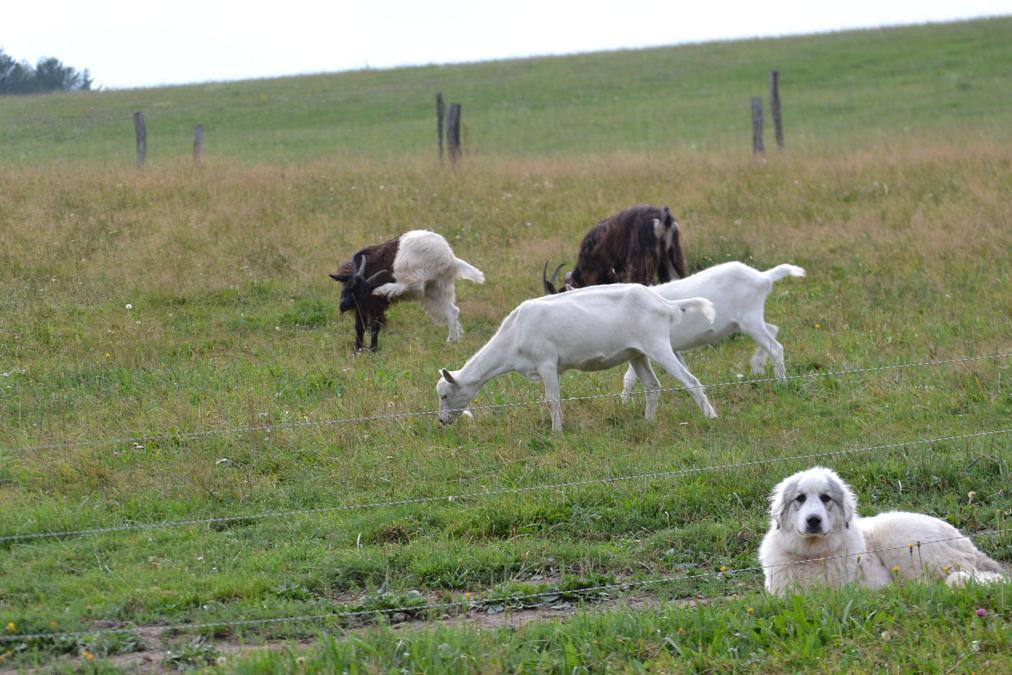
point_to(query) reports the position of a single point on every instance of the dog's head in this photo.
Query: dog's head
(812, 503)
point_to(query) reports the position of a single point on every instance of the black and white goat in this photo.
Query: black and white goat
(417, 265)
(638, 245)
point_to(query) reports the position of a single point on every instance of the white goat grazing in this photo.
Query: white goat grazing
(587, 329)
(738, 293)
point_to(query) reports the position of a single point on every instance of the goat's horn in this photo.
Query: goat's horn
(549, 286)
(556, 272)
(360, 271)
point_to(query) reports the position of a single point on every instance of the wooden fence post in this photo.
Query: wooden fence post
(453, 132)
(757, 126)
(198, 143)
(142, 137)
(778, 125)
(440, 116)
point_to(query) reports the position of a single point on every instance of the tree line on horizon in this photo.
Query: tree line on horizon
(49, 74)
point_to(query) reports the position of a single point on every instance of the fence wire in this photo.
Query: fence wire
(338, 421)
(467, 496)
(470, 605)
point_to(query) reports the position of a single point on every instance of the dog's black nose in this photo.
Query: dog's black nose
(814, 523)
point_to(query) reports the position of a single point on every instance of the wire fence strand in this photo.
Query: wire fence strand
(339, 421)
(470, 605)
(468, 496)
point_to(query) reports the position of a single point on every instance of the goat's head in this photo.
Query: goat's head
(356, 287)
(454, 398)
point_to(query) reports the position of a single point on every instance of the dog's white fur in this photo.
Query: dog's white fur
(813, 516)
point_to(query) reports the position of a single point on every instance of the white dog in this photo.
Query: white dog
(817, 539)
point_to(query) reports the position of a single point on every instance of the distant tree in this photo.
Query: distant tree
(19, 77)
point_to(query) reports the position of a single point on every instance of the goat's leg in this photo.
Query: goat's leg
(628, 382)
(668, 360)
(377, 323)
(640, 366)
(439, 301)
(359, 330)
(757, 329)
(549, 373)
(396, 288)
(760, 357)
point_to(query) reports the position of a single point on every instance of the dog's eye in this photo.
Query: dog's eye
(800, 499)
(824, 498)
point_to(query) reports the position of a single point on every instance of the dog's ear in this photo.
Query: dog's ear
(780, 500)
(844, 496)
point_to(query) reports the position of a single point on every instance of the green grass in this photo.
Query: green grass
(232, 323)
(839, 632)
(840, 91)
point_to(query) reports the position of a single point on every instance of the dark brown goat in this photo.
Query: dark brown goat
(357, 290)
(637, 245)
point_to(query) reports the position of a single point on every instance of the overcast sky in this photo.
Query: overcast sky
(130, 44)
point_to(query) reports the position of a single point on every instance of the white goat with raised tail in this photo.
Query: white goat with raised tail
(416, 265)
(738, 293)
(587, 329)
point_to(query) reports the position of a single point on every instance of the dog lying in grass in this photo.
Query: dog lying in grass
(817, 539)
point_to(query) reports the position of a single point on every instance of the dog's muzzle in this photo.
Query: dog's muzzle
(813, 525)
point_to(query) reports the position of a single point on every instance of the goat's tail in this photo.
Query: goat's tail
(781, 271)
(466, 270)
(702, 305)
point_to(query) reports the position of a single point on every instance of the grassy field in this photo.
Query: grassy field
(195, 299)
(840, 91)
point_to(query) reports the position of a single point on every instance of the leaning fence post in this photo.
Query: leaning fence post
(453, 132)
(757, 126)
(142, 137)
(198, 143)
(440, 116)
(778, 125)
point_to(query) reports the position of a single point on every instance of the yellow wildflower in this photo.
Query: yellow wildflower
(723, 568)
(11, 627)
(896, 569)
(749, 610)
(87, 656)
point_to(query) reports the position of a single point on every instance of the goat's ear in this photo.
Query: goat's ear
(343, 278)
(666, 216)
(380, 278)
(446, 376)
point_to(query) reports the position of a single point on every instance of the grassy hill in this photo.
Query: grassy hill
(170, 350)
(844, 90)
